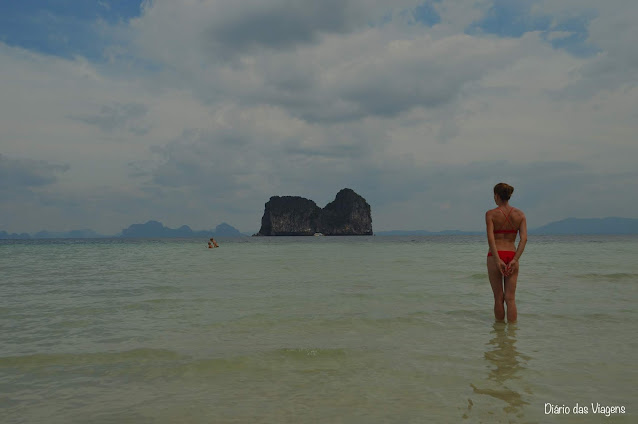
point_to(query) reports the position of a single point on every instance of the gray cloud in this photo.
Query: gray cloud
(235, 173)
(278, 24)
(25, 186)
(456, 196)
(118, 116)
(227, 29)
(391, 83)
(320, 61)
(215, 160)
(197, 181)
(16, 174)
(369, 75)
(236, 169)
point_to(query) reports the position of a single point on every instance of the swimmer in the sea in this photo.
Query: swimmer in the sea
(212, 240)
(503, 224)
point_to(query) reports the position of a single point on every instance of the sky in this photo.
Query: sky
(196, 112)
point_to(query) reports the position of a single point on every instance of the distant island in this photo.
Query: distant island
(155, 229)
(86, 233)
(14, 236)
(568, 226)
(427, 233)
(611, 225)
(348, 215)
(151, 229)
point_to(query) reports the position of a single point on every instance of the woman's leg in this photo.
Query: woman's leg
(496, 281)
(510, 295)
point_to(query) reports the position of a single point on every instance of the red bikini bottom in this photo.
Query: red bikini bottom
(505, 255)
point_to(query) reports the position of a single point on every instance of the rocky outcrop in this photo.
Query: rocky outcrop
(290, 216)
(348, 215)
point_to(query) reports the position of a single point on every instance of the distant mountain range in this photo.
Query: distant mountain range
(151, 229)
(611, 225)
(426, 233)
(13, 236)
(155, 229)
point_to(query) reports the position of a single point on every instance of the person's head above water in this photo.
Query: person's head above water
(503, 191)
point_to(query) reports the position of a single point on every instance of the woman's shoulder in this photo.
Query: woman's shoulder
(517, 216)
(491, 213)
(518, 212)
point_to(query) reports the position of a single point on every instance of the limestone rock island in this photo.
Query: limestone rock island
(348, 215)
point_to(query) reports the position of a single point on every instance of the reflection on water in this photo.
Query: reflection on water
(505, 363)
(503, 354)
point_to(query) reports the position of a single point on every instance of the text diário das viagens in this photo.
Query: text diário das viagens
(584, 409)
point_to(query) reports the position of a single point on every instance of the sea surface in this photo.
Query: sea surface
(315, 330)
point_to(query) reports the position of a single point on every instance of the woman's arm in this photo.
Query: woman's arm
(522, 231)
(490, 234)
(489, 225)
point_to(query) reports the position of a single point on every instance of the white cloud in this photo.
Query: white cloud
(613, 31)
(201, 114)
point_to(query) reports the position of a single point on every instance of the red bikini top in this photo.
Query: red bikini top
(507, 220)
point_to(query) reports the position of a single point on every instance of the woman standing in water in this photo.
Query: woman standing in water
(503, 223)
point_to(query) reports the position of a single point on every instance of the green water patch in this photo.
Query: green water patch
(251, 322)
(312, 360)
(305, 353)
(258, 365)
(153, 303)
(609, 277)
(167, 289)
(75, 323)
(208, 368)
(388, 323)
(325, 324)
(41, 360)
(595, 318)
(89, 310)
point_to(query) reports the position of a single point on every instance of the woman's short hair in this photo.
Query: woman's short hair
(503, 191)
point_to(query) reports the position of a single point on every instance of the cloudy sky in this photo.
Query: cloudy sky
(195, 112)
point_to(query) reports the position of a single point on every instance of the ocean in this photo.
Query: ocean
(316, 330)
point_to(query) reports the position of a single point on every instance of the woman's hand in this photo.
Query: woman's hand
(502, 266)
(511, 267)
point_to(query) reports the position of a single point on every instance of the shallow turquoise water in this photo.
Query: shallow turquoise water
(316, 329)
